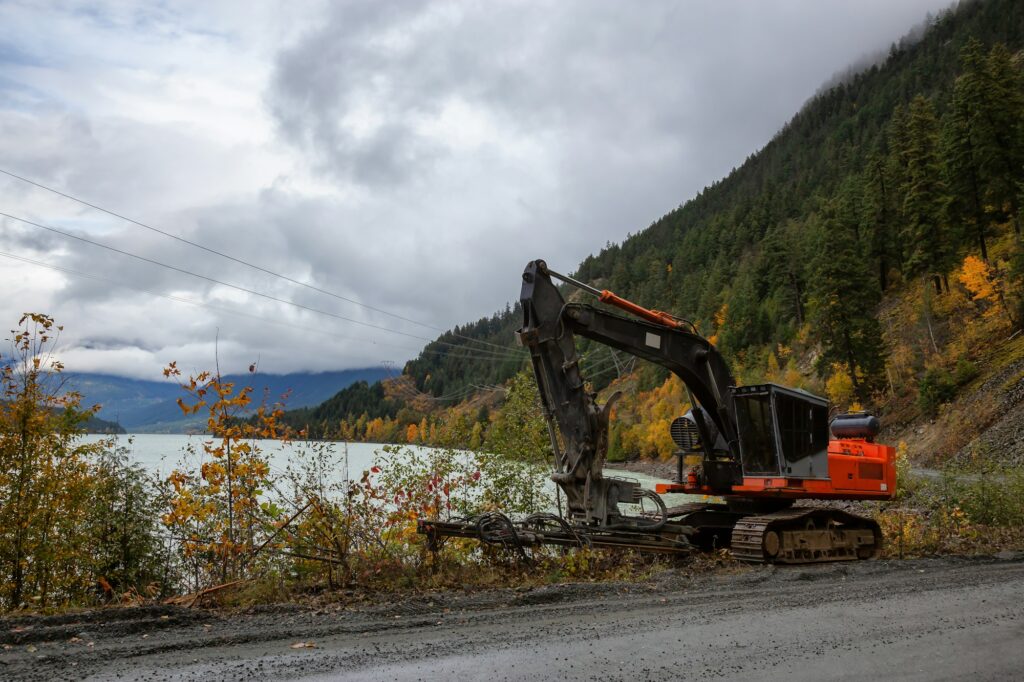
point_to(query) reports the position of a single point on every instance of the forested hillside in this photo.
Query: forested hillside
(940, 117)
(897, 189)
(464, 356)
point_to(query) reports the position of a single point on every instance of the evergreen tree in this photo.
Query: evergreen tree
(963, 167)
(747, 324)
(896, 137)
(926, 198)
(984, 140)
(785, 256)
(1000, 130)
(850, 209)
(881, 216)
(842, 300)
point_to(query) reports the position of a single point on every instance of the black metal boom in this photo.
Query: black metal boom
(549, 328)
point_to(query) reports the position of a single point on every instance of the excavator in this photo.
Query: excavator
(747, 454)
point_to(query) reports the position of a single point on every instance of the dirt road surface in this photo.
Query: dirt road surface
(937, 619)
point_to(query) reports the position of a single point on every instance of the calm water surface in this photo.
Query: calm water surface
(160, 453)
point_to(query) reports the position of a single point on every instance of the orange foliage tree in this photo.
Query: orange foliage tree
(219, 512)
(985, 285)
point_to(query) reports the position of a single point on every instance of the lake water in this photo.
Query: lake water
(161, 453)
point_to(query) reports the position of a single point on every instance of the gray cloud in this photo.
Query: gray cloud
(411, 156)
(636, 107)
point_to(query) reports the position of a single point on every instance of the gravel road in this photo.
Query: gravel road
(931, 619)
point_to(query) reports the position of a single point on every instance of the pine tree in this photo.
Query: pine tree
(747, 322)
(842, 299)
(984, 140)
(881, 216)
(896, 137)
(926, 198)
(785, 261)
(850, 209)
(1000, 124)
(963, 169)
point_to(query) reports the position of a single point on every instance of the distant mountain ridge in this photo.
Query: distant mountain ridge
(143, 406)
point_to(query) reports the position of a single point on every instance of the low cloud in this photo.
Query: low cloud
(410, 156)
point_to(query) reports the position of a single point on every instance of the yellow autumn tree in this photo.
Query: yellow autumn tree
(720, 317)
(374, 430)
(840, 386)
(218, 509)
(985, 286)
(976, 276)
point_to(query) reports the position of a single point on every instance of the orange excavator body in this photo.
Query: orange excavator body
(857, 470)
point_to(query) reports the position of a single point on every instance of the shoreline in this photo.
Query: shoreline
(650, 467)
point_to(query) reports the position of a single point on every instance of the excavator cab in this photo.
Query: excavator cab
(782, 431)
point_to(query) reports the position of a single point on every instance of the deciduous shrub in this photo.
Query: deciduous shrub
(76, 521)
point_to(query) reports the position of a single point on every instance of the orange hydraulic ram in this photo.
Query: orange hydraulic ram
(611, 298)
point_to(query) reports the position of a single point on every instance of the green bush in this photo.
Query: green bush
(965, 371)
(122, 519)
(992, 496)
(937, 386)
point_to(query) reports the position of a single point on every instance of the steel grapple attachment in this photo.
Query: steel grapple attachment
(549, 529)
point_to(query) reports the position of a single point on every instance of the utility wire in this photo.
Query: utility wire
(253, 292)
(246, 263)
(180, 299)
(411, 392)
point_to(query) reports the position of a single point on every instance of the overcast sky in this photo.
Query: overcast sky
(412, 156)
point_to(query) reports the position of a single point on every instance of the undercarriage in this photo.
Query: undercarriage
(794, 535)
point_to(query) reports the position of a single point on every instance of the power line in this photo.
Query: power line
(230, 311)
(253, 292)
(411, 392)
(241, 261)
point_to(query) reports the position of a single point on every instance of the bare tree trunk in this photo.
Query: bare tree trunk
(928, 321)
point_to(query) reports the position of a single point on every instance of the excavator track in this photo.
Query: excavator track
(805, 536)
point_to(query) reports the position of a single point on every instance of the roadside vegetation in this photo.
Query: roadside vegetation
(81, 525)
(975, 508)
(78, 522)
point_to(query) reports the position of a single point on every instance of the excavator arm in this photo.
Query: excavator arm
(578, 426)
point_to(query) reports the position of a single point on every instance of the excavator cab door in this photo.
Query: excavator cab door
(782, 432)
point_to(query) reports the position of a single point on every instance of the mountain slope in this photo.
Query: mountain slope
(146, 406)
(743, 245)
